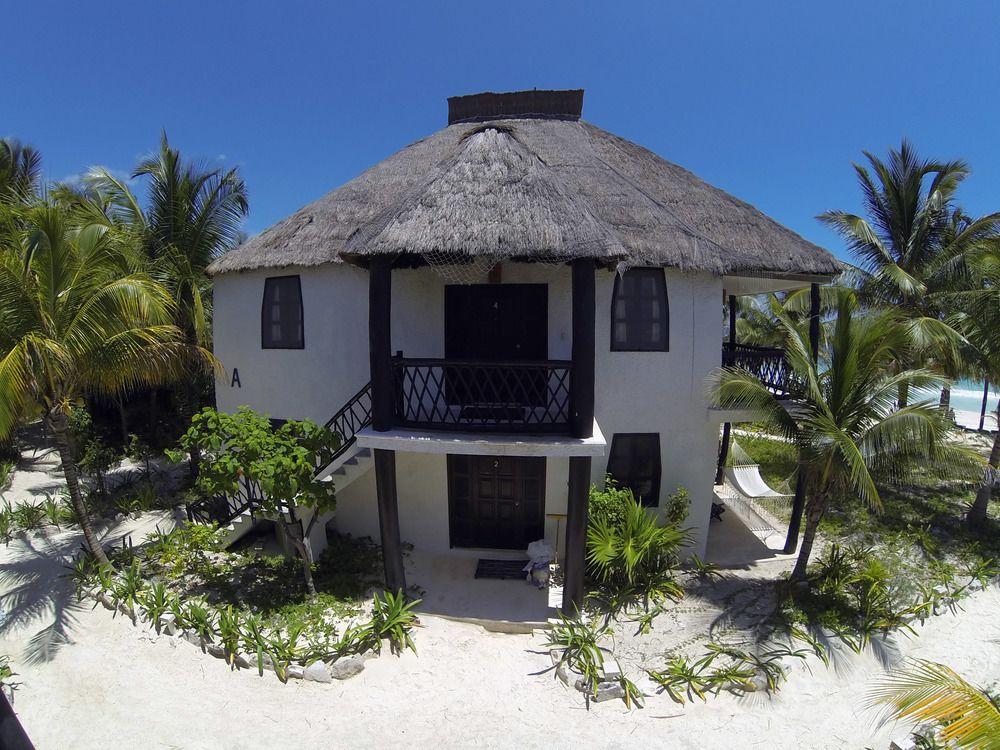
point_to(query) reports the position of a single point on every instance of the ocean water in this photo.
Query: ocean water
(967, 395)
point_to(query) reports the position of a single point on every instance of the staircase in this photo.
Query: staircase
(237, 515)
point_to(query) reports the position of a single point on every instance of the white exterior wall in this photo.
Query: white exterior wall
(659, 392)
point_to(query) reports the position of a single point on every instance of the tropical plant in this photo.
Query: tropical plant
(20, 170)
(29, 516)
(392, 619)
(841, 412)
(704, 571)
(155, 603)
(246, 448)
(977, 316)
(72, 323)
(924, 691)
(639, 557)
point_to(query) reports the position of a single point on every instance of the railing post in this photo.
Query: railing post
(380, 340)
(582, 374)
(727, 427)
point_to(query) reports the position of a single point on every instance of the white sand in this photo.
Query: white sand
(970, 419)
(114, 686)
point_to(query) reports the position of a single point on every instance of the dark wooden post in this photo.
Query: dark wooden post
(380, 340)
(576, 535)
(727, 427)
(388, 519)
(582, 376)
(986, 398)
(814, 321)
(799, 503)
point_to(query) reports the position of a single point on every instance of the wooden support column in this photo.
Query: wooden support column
(986, 400)
(574, 559)
(799, 503)
(582, 375)
(388, 519)
(727, 427)
(814, 321)
(380, 340)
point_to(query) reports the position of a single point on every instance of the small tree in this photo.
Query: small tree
(245, 447)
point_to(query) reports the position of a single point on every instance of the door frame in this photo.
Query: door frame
(451, 495)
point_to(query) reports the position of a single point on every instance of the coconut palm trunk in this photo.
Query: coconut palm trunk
(977, 513)
(815, 510)
(59, 425)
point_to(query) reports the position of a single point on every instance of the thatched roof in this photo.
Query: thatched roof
(533, 187)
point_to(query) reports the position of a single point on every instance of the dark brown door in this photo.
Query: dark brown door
(496, 323)
(496, 502)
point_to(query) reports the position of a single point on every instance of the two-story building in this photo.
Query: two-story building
(497, 316)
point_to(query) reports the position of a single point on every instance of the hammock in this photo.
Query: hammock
(758, 505)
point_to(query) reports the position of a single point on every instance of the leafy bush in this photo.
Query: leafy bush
(637, 560)
(675, 510)
(609, 505)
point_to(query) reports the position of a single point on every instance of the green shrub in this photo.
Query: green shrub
(29, 516)
(609, 505)
(637, 560)
(6, 472)
(675, 509)
(184, 549)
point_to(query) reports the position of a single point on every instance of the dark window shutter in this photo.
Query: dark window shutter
(634, 462)
(281, 320)
(640, 312)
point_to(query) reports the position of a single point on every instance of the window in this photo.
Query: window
(281, 316)
(635, 463)
(640, 315)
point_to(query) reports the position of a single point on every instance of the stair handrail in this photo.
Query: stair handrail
(350, 419)
(347, 422)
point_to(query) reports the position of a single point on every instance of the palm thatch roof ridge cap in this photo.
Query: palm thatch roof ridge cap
(658, 212)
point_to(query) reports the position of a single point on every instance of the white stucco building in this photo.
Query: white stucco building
(496, 317)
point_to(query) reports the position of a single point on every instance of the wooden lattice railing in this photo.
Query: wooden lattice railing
(766, 362)
(528, 397)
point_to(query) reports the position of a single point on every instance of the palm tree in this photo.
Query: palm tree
(192, 215)
(978, 318)
(72, 323)
(924, 691)
(841, 412)
(20, 170)
(909, 245)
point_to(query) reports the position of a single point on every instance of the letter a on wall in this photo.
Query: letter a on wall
(235, 382)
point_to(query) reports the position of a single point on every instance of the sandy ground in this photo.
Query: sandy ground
(110, 684)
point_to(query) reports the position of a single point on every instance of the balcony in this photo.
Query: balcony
(766, 363)
(480, 396)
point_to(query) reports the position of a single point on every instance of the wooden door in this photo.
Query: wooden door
(496, 502)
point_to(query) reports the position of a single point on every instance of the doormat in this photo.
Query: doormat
(502, 569)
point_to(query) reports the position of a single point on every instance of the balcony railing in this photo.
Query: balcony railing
(483, 396)
(766, 362)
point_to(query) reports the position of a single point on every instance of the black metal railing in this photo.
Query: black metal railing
(482, 396)
(765, 362)
(353, 415)
(223, 509)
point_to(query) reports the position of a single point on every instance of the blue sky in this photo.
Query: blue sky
(769, 100)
